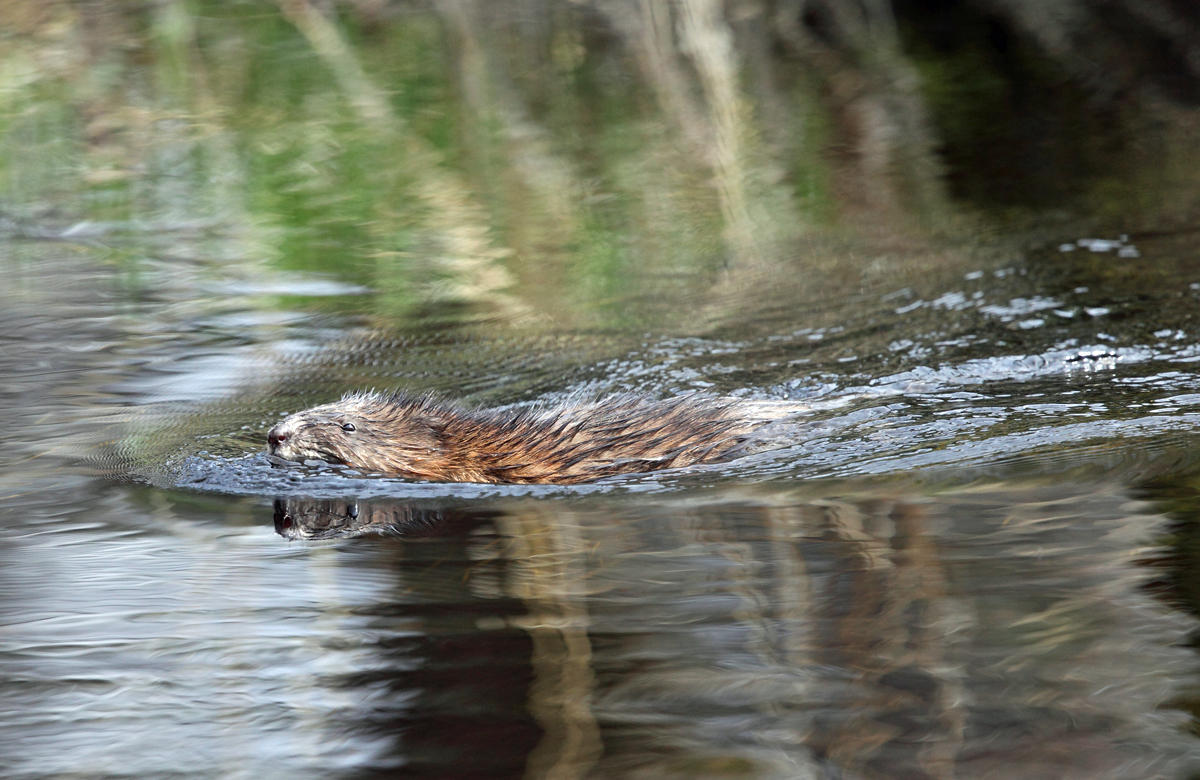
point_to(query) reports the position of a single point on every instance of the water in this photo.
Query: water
(958, 561)
(972, 555)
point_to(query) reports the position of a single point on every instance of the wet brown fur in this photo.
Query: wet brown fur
(422, 437)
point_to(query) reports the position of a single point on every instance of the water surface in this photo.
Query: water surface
(972, 556)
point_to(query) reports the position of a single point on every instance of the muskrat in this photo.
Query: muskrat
(424, 437)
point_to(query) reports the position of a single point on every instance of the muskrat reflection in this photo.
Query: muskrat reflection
(314, 519)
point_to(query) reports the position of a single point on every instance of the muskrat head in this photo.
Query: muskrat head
(366, 431)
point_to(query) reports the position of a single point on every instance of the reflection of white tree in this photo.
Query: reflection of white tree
(456, 237)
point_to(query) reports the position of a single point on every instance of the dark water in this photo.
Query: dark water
(973, 555)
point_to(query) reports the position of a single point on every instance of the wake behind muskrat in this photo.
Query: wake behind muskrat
(424, 437)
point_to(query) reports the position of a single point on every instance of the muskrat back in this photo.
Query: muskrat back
(423, 437)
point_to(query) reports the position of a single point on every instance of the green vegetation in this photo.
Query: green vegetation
(554, 163)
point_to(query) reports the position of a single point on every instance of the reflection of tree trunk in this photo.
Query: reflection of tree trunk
(550, 188)
(327, 42)
(716, 129)
(886, 624)
(547, 557)
(457, 225)
(646, 27)
(872, 91)
(709, 42)
(1104, 44)
(919, 572)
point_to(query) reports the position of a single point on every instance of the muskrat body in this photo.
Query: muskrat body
(423, 437)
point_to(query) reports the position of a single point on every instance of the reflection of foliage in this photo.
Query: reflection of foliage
(456, 153)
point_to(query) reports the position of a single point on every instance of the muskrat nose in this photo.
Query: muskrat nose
(274, 437)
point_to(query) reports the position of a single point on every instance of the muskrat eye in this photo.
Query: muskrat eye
(348, 427)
